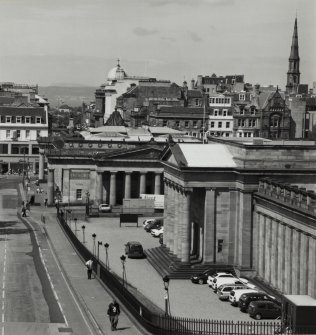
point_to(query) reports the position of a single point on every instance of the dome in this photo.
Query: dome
(116, 73)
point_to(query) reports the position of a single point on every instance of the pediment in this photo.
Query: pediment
(134, 154)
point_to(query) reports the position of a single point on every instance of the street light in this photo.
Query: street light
(166, 280)
(83, 227)
(93, 247)
(123, 260)
(75, 219)
(106, 246)
(99, 243)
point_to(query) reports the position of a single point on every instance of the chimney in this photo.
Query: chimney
(192, 84)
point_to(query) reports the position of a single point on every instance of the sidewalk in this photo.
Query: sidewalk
(93, 296)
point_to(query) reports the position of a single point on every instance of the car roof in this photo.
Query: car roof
(133, 242)
(263, 301)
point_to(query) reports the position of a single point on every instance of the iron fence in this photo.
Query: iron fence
(169, 325)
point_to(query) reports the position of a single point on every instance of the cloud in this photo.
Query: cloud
(195, 37)
(144, 32)
(166, 38)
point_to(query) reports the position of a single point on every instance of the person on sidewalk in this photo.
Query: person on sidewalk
(23, 211)
(89, 266)
(113, 313)
(45, 202)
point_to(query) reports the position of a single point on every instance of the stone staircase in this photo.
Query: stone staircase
(166, 263)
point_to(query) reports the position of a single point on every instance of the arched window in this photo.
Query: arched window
(275, 121)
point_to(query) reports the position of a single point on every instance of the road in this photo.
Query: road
(35, 295)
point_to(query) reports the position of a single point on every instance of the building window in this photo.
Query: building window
(18, 133)
(240, 134)
(18, 119)
(195, 124)
(8, 134)
(227, 124)
(241, 112)
(215, 112)
(219, 124)
(38, 133)
(27, 134)
(227, 100)
(178, 124)
(212, 124)
(8, 119)
(27, 119)
(227, 134)
(197, 103)
(186, 124)
(224, 112)
(164, 123)
(79, 194)
(207, 90)
(242, 97)
(252, 123)
(275, 121)
(38, 119)
(252, 111)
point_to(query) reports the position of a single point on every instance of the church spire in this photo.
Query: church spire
(293, 74)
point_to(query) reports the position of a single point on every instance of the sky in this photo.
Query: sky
(49, 42)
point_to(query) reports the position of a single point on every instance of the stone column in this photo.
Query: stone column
(157, 183)
(99, 188)
(176, 221)
(288, 261)
(180, 220)
(127, 189)
(171, 212)
(303, 269)
(274, 252)
(50, 187)
(209, 252)
(295, 259)
(281, 255)
(166, 238)
(41, 164)
(311, 266)
(113, 188)
(267, 270)
(9, 148)
(142, 183)
(186, 231)
(261, 244)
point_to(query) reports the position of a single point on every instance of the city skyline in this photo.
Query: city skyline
(78, 42)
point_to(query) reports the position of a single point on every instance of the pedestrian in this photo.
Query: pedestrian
(56, 202)
(113, 313)
(23, 211)
(89, 266)
(45, 202)
(38, 190)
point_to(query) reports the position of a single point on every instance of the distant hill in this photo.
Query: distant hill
(72, 96)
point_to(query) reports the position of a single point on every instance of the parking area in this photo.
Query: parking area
(186, 299)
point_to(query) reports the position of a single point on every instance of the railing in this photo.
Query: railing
(169, 325)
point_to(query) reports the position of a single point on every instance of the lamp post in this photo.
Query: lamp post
(166, 280)
(75, 219)
(123, 260)
(93, 247)
(83, 227)
(99, 243)
(87, 203)
(106, 246)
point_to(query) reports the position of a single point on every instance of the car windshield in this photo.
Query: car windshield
(136, 247)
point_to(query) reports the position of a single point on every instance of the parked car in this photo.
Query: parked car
(246, 298)
(161, 239)
(134, 249)
(153, 225)
(234, 296)
(145, 223)
(217, 282)
(157, 232)
(201, 278)
(217, 275)
(223, 291)
(105, 208)
(264, 309)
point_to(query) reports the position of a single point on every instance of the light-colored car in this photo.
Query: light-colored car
(145, 223)
(218, 275)
(157, 232)
(217, 282)
(223, 291)
(235, 295)
(104, 208)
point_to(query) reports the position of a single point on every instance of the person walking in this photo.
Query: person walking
(89, 265)
(113, 313)
(45, 202)
(28, 207)
(24, 211)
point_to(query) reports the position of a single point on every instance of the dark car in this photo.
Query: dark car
(201, 278)
(264, 309)
(153, 225)
(246, 298)
(134, 249)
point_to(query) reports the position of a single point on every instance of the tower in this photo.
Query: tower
(293, 74)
